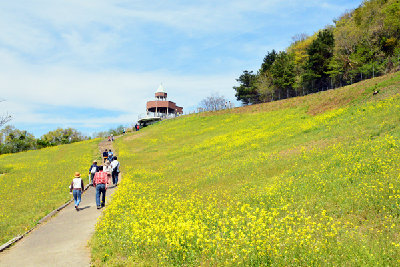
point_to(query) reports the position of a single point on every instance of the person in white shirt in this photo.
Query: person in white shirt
(115, 170)
(107, 169)
(77, 188)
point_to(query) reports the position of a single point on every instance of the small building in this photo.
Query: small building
(159, 109)
(160, 106)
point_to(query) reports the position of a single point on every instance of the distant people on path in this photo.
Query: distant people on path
(92, 170)
(76, 188)
(115, 170)
(100, 181)
(226, 104)
(109, 138)
(112, 138)
(123, 130)
(107, 169)
(137, 126)
(105, 155)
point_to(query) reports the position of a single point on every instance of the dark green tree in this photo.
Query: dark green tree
(247, 92)
(269, 59)
(283, 73)
(320, 52)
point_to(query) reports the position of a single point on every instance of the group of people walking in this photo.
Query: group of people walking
(100, 177)
(108, 155)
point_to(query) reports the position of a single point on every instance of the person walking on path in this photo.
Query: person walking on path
(100, 181)
(107, 169)
(92, 170)
(115, 170)
(76, 189)
(110, 156)
(62, 240)
(105, 155)
(112, 138)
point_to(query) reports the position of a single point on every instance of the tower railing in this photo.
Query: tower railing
(158, 115)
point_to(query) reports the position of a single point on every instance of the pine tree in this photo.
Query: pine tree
(319, 53)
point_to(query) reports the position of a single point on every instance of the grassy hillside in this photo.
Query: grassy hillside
(37, 182)
(311, 181)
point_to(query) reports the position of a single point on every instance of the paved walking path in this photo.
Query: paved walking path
(61, 241)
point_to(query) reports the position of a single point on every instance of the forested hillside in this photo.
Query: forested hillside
(363, 43)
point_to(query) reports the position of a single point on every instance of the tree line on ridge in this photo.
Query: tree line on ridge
(362, 43)
(13, 140)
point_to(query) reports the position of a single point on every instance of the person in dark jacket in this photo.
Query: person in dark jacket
(105, 155)
(92, 170)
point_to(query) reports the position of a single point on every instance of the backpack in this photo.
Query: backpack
(94, 169)
(115, 169)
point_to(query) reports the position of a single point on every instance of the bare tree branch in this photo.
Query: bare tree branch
(299, 37)
(5, 117)
(213, 102)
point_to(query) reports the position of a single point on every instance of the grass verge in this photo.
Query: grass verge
(37, 182)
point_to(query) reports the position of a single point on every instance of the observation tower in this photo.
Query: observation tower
(159, 109)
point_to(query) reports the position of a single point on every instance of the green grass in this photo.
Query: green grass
(311, 181)
(37, 182)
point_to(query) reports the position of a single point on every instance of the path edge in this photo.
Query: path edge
(44, 219)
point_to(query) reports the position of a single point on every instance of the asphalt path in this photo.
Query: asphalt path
(63, 239)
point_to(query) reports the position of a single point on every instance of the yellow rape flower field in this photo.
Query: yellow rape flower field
(312, 181)
(37, 182)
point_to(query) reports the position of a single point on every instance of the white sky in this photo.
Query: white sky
(93, 65)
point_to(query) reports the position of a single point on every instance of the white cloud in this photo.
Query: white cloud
(42, 21)
(28, 87)
(68, 54)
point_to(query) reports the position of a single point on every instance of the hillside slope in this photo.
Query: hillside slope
(309, 181)
(37, 182)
